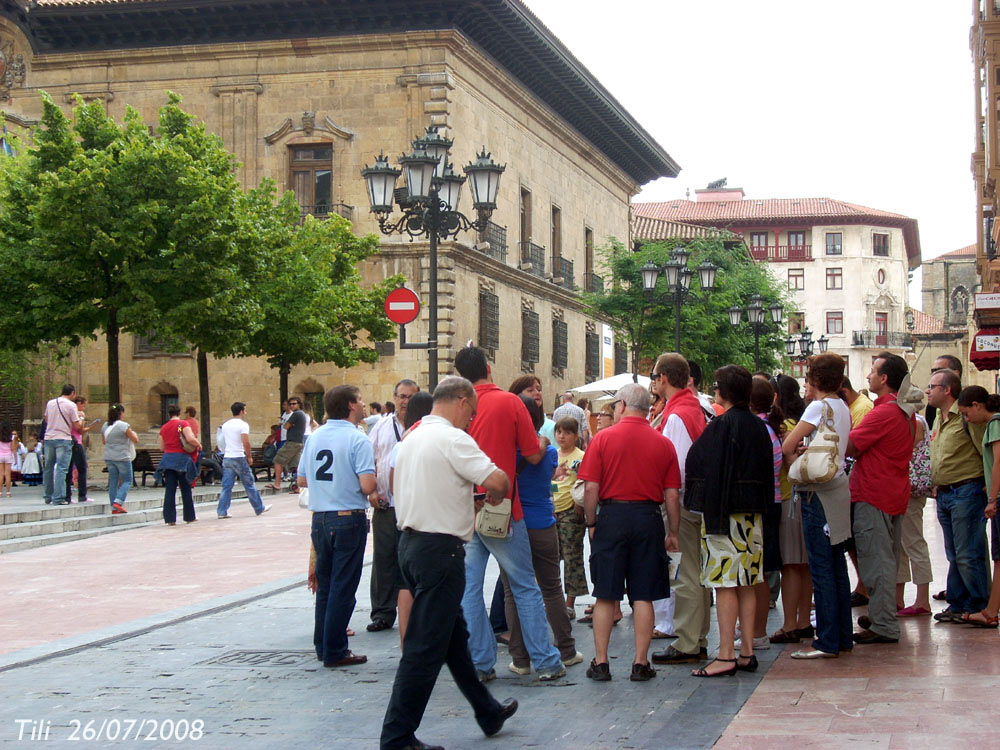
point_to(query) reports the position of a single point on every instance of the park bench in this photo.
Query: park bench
(145, 462)
(260, 463)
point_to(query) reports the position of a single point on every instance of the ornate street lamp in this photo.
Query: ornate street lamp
(678, 282)
(761, 320)
(429, 205)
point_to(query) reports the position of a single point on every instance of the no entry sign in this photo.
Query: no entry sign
(402, 305)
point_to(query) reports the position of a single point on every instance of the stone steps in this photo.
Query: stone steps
(39, 527)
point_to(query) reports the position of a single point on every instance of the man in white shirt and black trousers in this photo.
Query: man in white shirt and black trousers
(436, 470)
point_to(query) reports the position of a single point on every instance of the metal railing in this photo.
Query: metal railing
(593, 283)
(562, 271)
(533, 258)
(495, 236)
(780, 253)
(874, 339)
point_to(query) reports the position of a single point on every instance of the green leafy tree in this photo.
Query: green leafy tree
(646, 322)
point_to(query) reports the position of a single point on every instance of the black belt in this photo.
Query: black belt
(344, 512)
(438, 534)
(627, 502)
(956, 485)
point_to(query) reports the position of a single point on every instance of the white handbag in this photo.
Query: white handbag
(304, 497)
(821, 459)
(494, 520)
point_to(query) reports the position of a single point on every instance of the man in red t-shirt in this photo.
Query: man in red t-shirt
(629, 469)
(502, 428)
(880, 490)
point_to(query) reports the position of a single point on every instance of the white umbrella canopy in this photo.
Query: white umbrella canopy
(600, 389)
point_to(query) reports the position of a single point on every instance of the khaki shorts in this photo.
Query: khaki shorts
(288, 455)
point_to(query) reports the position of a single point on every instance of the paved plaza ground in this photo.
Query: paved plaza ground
(209, 625)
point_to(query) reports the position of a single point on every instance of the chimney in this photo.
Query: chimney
(709, 195)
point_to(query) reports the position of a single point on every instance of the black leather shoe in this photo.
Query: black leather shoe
(378, 624)
(870, 636)
(507, 709)
(418, 745)
(671, 655)
(350, 659)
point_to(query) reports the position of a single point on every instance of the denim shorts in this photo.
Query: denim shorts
(628, 547)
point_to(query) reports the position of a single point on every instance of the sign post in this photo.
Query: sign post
(402, 306)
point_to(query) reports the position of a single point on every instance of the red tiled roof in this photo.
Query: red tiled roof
(924, 324)
(650, 229)
(749, 212)
(969, 251)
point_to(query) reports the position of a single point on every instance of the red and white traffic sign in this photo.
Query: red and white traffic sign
(402, 306)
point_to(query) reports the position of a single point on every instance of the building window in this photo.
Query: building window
(799, 369)
(880, 244)
(835, 322)
(489, 321)
(592, 365)
(796, 322)
(560, 344)
(166, 401)
(796, 279)
(314, 404)
(588, 250)
(880, 276)
(311, 170)
(525, 207)
(529, 336)
(834, 243)
(152, 346)
(621, 357)
(835, 278)
(796, 239)
(881, 329)
(556, 238)
(758, 239)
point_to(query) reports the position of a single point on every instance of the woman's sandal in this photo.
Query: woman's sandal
(751, 663)
(986, 620)
(702, 673)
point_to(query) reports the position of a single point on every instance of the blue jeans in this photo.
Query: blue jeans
(339, 542)
(231, 468)
(960, 513)
(119, 480)
(831, 586)
(57, 457)
(513, 554)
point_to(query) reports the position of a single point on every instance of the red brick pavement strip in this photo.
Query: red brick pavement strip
(67, 590)
(935, 688)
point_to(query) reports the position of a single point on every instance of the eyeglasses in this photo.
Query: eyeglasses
(715, 386)
(604, 414)
(931, 386)
(654, 375)
(615, 403)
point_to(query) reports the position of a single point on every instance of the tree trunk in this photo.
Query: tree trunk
(206, 411)
(114, 384)
(283, 369)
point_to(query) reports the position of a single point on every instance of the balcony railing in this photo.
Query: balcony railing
(562, 271)
(533, 259)
(593, 283)
(782, 253)
(495, 236)
(873, 339)
(323, 211)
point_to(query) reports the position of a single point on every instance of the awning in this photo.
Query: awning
(984, 352)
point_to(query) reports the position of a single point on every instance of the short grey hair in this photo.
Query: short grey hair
(407, 382)
(453, 388)
(635, 397)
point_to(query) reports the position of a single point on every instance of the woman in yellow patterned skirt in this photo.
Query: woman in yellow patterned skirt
(730, 481)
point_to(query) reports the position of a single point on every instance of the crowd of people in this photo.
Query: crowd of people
(684, 499)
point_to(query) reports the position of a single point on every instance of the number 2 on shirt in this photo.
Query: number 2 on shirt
(323, 470)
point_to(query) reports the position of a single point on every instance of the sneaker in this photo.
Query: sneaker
(225, 515)
(265, 510)
(575, 659)
(948, 615)
(759, 644)
(642, 672)
(117, 508)
(519, 670)
(486, 676)
(547, 675)
(599, 672)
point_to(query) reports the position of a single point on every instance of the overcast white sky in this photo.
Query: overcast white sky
(867, 101)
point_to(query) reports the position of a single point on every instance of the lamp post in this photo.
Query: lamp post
(429, 203)
(761, 320)
(678, 277)
(806, 345)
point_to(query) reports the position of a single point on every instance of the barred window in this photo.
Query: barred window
(621, 357)
(560, 344)
(592, 366)
(529, 336)
(489, 320)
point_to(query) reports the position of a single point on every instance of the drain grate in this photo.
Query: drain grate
(260, 659)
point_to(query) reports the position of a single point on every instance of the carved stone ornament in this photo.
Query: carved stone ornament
(12, 69)
(309, 126)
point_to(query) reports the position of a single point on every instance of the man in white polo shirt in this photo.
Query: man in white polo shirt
(436, 470)
(236, 462)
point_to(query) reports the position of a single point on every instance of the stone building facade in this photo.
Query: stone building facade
(846, 267)
(311, 110)
(949, 281)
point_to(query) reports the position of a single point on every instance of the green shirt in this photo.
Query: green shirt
(991, 435)
(954, 452)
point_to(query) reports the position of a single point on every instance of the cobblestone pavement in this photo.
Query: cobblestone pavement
(246, 671)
